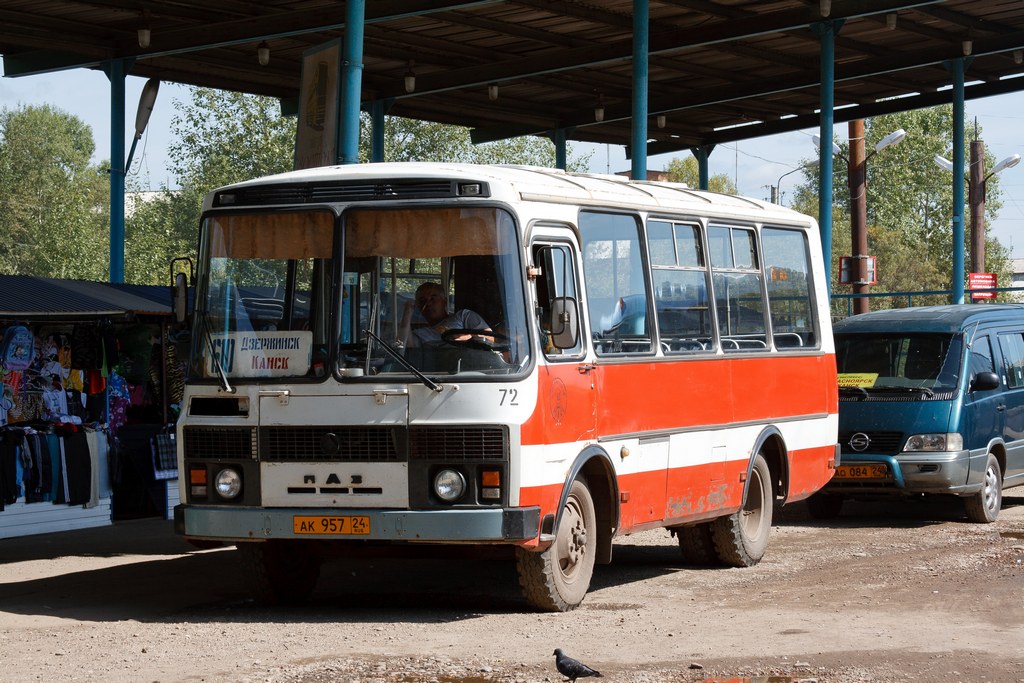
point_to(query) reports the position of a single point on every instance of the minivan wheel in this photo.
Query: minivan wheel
(983, 506)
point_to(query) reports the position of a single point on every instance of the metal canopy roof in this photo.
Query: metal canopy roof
(720, 70)
(24, 297)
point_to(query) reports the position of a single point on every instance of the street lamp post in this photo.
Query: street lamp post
(977, 181)
(777, 188)
(857, 179)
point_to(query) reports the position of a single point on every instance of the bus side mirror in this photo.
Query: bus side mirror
(179, 302)
(985, 381)
(565, 322)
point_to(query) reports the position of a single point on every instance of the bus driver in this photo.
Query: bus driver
(433, 304)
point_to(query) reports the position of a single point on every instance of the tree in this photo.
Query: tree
(222, 137)
(909, 206)
(687, 170)
(54, 208)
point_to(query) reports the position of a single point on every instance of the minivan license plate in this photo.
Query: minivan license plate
(331, 525)
(862, 472)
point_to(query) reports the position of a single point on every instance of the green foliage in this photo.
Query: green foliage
(411, 140)
(687, 170)
(54, 208)
(909, 207)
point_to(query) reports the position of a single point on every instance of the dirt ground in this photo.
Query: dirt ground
(908, 592)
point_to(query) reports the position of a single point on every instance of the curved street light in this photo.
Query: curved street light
(856, 174)
(977, 185)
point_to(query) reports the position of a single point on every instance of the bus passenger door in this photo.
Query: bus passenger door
(566, 398)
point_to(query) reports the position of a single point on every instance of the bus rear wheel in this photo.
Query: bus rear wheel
(279, 572)
(696, 544)
(557, 579)
(742, 537)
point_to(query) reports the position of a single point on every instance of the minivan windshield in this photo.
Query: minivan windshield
(899, 362)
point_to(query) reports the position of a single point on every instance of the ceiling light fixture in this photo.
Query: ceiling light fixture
(144, 36)
(410, 78)
(826, 7)
(968, 46)
(1018, 56)
(492, 92)
(660, 120)
(890, 20)
(263, 53)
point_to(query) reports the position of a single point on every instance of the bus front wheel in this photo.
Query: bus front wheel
(279, 572)
(557, 579)
(742, 537)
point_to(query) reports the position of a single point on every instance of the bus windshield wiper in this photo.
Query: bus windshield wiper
(427, 382)
(859, 391)
(216, 361)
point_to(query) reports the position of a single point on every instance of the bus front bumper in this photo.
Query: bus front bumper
(222, 523)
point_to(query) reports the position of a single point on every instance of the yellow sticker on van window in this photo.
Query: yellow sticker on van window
(857, 379)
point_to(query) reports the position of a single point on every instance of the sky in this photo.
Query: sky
(754, 165)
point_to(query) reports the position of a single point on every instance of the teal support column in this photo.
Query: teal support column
(351, 83)
(377, 132)
(641, 50)
(116, 72)
(703, 153)
(958, 66)
(559, 138)
(826, 32)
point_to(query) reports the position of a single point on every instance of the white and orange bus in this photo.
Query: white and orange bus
(641, 355)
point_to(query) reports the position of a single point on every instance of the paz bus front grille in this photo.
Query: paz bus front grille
(219, 442)
(349, 443)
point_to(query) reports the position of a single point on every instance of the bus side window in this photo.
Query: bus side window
(557, 301)
(787, 273)
(616, 280)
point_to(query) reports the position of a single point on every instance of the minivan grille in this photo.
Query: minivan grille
(886, 443)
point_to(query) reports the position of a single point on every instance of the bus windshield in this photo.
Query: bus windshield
(440, 287)
(261, 300)
(266, 307)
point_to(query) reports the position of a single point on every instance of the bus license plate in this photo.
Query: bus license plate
(862, 472)
(332, 526)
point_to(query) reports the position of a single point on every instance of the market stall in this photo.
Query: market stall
(89, 389)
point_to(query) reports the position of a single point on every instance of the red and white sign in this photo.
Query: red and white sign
(982, 281)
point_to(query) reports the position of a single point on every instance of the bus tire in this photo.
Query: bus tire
(742, 537)
(557, 579)
(983, 506)
(279, 572)
(825, 505)
(696, 544)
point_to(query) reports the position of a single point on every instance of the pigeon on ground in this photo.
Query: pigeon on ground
(572, 669)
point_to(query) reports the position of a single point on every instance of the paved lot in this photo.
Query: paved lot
(887, 592)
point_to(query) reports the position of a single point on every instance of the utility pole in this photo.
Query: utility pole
(858, 182)
(976, 198)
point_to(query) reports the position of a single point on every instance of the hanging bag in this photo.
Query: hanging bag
(18, 348)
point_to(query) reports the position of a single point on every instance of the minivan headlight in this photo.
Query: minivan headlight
(934, 443)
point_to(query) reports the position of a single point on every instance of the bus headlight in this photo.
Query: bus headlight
(934, 443)
(449, 485)
(228, 483)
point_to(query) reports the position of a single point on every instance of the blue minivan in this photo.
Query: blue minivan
(931, 401)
